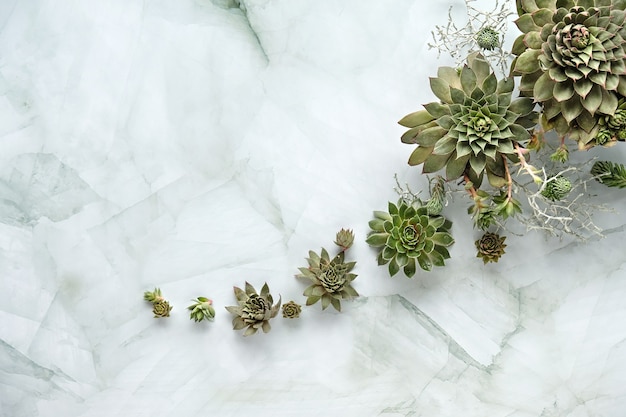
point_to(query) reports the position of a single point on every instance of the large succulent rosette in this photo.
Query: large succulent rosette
(473, 126)
(408, 236)
(571, 59)
(253, 311)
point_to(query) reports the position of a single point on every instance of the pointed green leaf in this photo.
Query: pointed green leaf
(430, 136)
(441, 89)
(415, 119)
(420, 154)
(527, 62)
(393, 268)
(543, 88)
(312, 300)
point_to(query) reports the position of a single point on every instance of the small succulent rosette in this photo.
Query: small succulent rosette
(291, 310)
(490, 247)
(160, 307)
(344, 239)
(254, 310)
(331, 279)
(201, 309)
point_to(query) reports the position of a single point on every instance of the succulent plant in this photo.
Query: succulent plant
(160, 307)
(473, 127)
(344, 239)
(488, 38)
(291, 310)
(557, 188)
(571, 59)
(253, 311)
(609, 173)
(331, 279)
(202, 308)
(408, 235)
(490, 247)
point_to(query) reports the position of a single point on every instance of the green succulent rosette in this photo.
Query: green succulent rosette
(408, 236)
(254, 310)
(473, 127)
(571, 60)
(331, 279)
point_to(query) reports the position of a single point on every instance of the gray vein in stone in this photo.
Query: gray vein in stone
(437, 331)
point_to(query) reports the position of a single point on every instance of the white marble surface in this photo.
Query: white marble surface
(192, 146)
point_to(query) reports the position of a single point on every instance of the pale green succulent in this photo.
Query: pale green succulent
(253, 311)
(571, 59)
(160, 306)
(474, 126)
(331, 279)
(201, 309)
(408, 236)
(344, 239)
(488, 38)
(557, 188)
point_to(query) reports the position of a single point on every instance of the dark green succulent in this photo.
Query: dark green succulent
(408, 235)
(571, 59)
(557, 188)
(331, 279)
(253, 311)
(473, 127)
(488, 38)
(490, 247)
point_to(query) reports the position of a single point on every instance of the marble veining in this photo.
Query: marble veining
(198, 144)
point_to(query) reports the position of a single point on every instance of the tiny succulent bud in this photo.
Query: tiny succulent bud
(153, 296)
(557, 188)
(291, 310)
(488, 38)
(161, 308)
(490, 247)
(202, 309)
(344, 239)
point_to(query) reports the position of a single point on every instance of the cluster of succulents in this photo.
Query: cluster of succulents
(331, 279)
(160, 306)
(569, 67)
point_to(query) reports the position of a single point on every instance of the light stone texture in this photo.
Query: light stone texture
(193, 145)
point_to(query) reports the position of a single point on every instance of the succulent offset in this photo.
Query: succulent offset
(571, 59)
(201, 309)
(331, 279)
(473, 128)
(490, 247)
(344, 239)
(254, 310)
(408, 236)
(291, 310)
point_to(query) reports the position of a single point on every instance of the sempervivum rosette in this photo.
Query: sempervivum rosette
(473, 127)
(407, 235)
(490, 247)
(254, 310)
(571, 59)
(330, 279)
